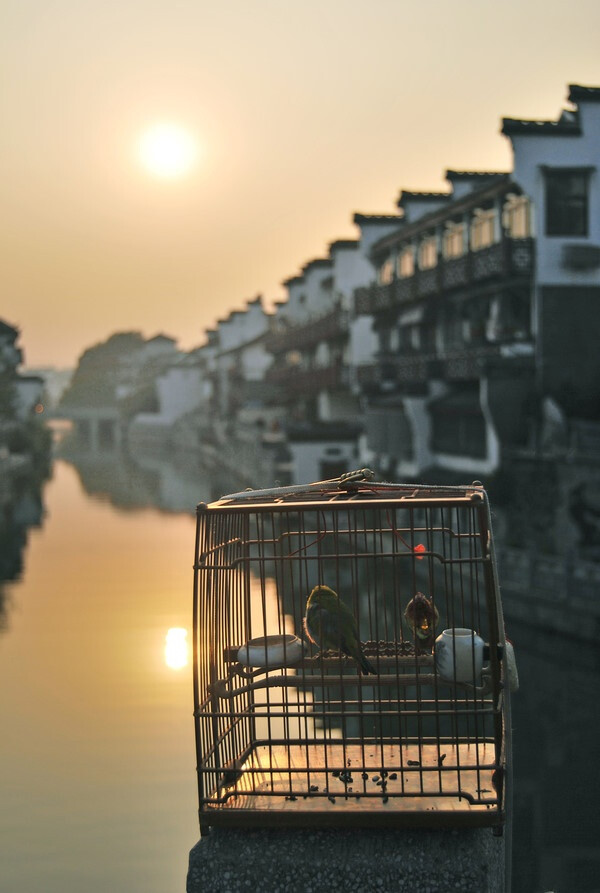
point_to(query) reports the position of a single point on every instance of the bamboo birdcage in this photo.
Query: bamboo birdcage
(290, 734)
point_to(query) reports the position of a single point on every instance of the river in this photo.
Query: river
(96, 753)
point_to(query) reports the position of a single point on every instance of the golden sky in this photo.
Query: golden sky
(304, 112)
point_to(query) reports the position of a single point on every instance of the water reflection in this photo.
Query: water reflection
(21, 510)
(129, 482)
(97, 730)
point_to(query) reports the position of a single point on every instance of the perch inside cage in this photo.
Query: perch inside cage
(349, 659)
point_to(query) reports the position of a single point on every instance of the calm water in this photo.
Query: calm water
(97, 757)
(96, 752)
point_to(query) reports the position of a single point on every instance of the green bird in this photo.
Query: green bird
(330, 624)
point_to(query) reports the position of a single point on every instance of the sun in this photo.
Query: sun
(176, 648)
(168, 150)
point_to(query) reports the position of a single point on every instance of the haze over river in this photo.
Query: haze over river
(97, 753)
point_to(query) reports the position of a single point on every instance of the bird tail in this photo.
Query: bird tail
(366, 666)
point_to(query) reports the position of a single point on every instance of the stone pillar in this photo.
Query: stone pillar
(301, 861)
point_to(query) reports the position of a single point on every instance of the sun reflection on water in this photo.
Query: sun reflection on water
(176, 648)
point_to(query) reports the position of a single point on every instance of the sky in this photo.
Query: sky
(303, 114)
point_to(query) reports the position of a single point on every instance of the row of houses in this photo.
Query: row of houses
(461, 326)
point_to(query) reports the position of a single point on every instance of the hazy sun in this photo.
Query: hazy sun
(176, 648)
(167, 150)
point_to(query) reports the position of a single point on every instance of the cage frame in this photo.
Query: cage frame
(362, 494)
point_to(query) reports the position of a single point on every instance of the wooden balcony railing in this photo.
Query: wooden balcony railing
(329, 327)
(503, 260)
(460, 364)
(294, 381)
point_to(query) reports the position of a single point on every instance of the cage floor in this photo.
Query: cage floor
(374, 779)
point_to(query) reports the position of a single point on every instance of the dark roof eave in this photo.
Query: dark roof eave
(359, 218)
(452, 175)
(319, 263)
(408, 195)
(341, 244)
(579, 93)
(293, 280)
(518, 127)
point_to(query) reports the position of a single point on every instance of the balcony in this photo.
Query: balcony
(329, 327)
(294, 381)
(375, 298)
(394, 369)
(460, 364)
(506, 259)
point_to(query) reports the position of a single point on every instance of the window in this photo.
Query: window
(454, 240)
(410, 339)
(566, 202)
(386, 272)
(483, 229)
(406, 262)
(428, 253)
(516, 216)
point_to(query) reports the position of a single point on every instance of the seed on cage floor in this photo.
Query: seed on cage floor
(393, 776)
(365, 776)
(291, 797)
(331, 799)
(375, 779)
(336, 773)
(441, 759)
(414, 762)
(314, 787)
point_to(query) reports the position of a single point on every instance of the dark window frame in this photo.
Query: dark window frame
(567, 201)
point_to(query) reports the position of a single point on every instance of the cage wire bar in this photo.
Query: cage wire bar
(291, 734)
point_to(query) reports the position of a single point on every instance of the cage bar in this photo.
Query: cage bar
(294, 732)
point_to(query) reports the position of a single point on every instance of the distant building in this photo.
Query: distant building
(485, 302)
(317, 341)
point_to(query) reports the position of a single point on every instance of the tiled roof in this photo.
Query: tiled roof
(342, 243)
(318, 262)
(293, 280)
(472, 175)
(376, 218)
(577, 93)
(422, 196)
(407, 196)
(567, 125)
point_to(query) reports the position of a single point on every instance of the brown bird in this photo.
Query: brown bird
(422, 617)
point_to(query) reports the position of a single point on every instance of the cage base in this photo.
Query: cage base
(431, 785)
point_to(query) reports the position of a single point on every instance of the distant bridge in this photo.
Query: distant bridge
(98, 428)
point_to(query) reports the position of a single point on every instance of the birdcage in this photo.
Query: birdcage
(349, 658)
